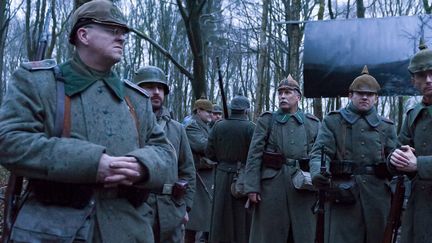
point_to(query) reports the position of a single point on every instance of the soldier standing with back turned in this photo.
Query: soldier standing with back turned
(228, 145)
(91, 184)
(281, 213)
(414, 157)
(171, 203)
(357, 142)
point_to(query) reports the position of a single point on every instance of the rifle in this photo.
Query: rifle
(15, 183)
(224, 101)
(320, 210)
(394, 219)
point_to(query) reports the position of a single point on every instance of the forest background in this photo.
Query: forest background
(258, 42)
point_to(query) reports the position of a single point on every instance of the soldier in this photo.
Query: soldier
(171, 204)
(357, 141)
(89, 185)
(216, 114)
(228, 145)
(197, 132)
(281, 213)
(414, 156)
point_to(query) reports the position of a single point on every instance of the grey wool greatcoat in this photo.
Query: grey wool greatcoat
(199, 218)
(168, 211)
(416, 132)
(284, 213)
(364, 140)
(228, 144)
(100, 123)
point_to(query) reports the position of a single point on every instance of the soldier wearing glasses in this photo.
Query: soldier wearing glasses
(90, 184)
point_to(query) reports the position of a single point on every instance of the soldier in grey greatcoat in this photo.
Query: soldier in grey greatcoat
(171, 203)
(357, 142)
(197, 132)
(91, 184)
(414, 157)
(228, 145)
(281, 213)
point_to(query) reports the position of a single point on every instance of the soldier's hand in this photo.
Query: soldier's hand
(254, 197)
(404, 159)
(186, 218)
(122, 170)
(321, 181)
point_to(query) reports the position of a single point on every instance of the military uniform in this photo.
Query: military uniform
(171, 203)
(416, 132)
(284, 213)
(197, 132)
(228, 145)
(356, 146)
(101, 122)
(168, 210)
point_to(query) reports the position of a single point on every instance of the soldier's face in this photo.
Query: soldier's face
(288, 100)
(216, 116)
(205, 116)
(363, 101)
(423, 82)
(104, 42)
(157, 94)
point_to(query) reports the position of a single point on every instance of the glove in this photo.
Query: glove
(321, 180)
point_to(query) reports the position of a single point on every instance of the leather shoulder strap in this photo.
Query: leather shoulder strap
(62, 123)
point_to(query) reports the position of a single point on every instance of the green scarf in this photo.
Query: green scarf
(78, 77)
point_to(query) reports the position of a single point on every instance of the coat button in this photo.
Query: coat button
(362, 143)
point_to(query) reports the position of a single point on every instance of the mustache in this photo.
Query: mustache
(156, 97)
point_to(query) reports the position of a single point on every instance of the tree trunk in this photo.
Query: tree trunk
(191, 17)
(317, 102)
(262, 60)
(4, 26)
(360, 9)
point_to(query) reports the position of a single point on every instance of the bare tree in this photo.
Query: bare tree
(191, 14)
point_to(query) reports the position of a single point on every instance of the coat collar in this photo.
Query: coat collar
(283, 117)
(78, 77)
(351, 114)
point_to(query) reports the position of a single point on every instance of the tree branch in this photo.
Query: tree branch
(165, 53)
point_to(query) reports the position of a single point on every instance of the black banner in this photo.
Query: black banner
(335, 52)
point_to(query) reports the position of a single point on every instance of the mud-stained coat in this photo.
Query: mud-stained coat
(228, 144)
(416, 131)
(284, 213)
(364, 140)
(168, 211)
(100, 123)
(199, 217)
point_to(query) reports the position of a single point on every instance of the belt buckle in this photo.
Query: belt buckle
(167, 189)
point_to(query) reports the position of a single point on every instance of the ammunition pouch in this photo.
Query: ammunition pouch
(176, 190)
(179, 189)
(62, 194)
(273, 160)
(304, 164)
(343, 192)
